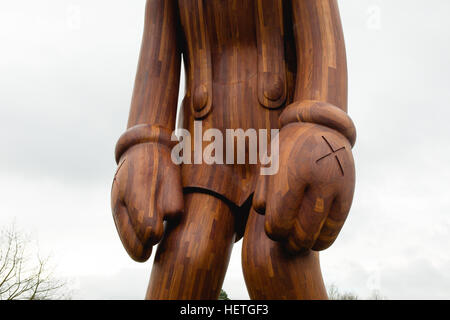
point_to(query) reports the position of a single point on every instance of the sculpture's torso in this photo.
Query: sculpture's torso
(233, 40)
(221, 57)
(234, 63)
(221, 48)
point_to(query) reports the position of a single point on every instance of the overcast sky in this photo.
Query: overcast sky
(66, 77)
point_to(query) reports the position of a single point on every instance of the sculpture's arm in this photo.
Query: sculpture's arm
(321, 57)
(147, 185)
(306, 203)
(157, 80)
(321, 84)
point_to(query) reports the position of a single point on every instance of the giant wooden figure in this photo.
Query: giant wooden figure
(262, 64)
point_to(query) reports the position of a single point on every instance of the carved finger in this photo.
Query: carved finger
(310, 220)
(259, 198)
(282, 208)
(170, 200)
(128, 236)
(333, 224)
(146, 219)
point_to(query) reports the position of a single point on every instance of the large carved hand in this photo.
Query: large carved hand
(146, 191)
(306, 203)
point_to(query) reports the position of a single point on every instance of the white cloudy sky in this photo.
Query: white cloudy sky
(66, 75)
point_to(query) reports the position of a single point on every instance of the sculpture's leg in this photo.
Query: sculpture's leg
(193, 256)
(272, 273)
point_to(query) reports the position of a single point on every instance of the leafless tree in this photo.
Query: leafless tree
(21, 276)
(335, 294)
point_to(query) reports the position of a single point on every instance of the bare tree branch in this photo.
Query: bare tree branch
(24, 278)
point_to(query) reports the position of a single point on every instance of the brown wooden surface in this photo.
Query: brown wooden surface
(306, 203)
(259, 64)
(273, 273)
(320, 48)
(157, 81)
(146, 191)
(192, 259)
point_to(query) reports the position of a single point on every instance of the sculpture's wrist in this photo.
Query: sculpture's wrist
(143, 133)
(321, 113)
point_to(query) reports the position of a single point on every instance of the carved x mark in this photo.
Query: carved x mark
(333, 152)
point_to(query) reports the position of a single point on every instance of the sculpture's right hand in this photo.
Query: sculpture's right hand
(146, 191)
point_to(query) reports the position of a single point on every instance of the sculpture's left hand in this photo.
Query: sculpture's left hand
(307, 202)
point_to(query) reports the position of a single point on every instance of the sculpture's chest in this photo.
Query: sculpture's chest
(229, 21)
(233, 41)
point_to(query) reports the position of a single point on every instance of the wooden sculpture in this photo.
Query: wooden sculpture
(261, 64)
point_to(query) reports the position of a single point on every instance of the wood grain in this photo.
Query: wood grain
(193, 256)
(157, 81)
(273, 273)
(320, 47)
(250, 64)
